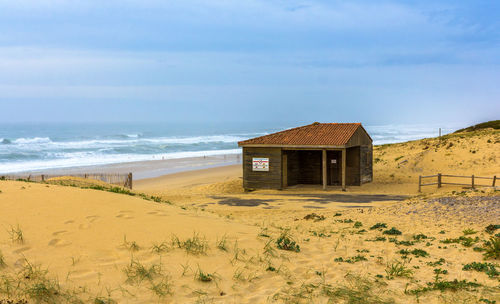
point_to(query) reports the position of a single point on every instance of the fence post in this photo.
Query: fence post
(494, 180)
(420, 183)
(472, 181)
(130, 180)
(439, 180)
(43, 178)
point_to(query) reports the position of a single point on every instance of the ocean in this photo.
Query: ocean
(40, 146)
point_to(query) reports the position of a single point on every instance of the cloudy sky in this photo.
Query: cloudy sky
(250, 60)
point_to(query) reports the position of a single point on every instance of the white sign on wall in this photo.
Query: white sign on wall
(260, 164)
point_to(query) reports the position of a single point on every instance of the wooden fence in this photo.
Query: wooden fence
(124, 180)
(440, 181)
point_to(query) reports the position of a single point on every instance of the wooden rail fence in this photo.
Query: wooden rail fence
(124, 180)
(439, 181)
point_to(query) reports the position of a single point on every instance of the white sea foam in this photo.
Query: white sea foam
(81, 159)
(33, 140)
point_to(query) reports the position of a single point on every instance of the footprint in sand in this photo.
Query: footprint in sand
(21, 250)
(59, 232)
(157, 213)
(82, 274)
(92, 218)
(84, 226)
(107, 262)
(125, 214)
(69, 222)
(59, 243)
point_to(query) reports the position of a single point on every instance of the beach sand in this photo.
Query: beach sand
(197, 237)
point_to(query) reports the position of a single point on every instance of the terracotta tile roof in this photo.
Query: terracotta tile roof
(324, 134)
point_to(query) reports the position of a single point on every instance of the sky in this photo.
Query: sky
(375, 62)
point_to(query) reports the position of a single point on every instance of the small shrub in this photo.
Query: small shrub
(194, 245)
(160, 247)
(137, 272)
(285, 242)
(492, 228)
(392, 231)
(204, 276)
(454, 285)
(315, 217)
(436, 263)
(378, 226)
(488, 268)
(351, 260)
(377, 239)
(131, 246)
(221, 244)
(469, 231)
(415, 252)
(16, 234)
(398, 269)
(162, 288)
(357, 290)
(2, 261)
(492, 248)
(420, 237)
(358, 224)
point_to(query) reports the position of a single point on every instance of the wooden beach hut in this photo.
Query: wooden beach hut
(338, 154)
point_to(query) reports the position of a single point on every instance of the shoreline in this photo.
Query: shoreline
(149, 168)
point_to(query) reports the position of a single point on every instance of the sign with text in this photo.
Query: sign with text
(260, 164)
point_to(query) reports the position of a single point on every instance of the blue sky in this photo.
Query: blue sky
(375, 62)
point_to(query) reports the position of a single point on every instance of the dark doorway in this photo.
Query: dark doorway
(305, 167)
(334, 168)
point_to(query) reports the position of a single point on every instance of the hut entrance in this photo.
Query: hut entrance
(334, 167)
(306, 167)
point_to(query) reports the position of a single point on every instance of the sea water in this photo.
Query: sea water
(39, 146)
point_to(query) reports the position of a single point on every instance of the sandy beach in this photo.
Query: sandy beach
(150, 168)
(198, 237)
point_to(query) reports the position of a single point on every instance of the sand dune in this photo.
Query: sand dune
(213, 243)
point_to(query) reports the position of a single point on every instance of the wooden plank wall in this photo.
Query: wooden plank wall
(353, 176)
(262, 179)
(366, 163)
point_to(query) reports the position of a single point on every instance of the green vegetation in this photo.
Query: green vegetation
(131, 246)
(492, 248)
(491, 228)
(469, 231)
(454, 285)
(378, 226)
(194, 245)
(377, 239)
(357, 290)
(392, 231)
(206, 277)
(436, 263)
(16, 234)
(420, 237)
(162, 288)
(137, 272)
(159, 248)
(285, 242)
(315, 217)
(221, 244)
(495, 124)
(358, 224)
(464, 240)
(415, 252)
(488, 268)
(2, 261)
(351, 260)
(398, 269)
